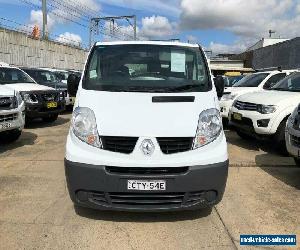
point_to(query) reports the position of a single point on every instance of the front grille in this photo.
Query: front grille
(146, 171)
(8, 103)
(9, 117)
(119, 144)
(48, 97)
(146, 199)
(171, 145)
(245, 106)
(295, 141)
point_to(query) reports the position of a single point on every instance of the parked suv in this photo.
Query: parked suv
(48, 78)
(292, 135)
(146, 132)
(250, 83)
(264, 114)
(12, 115)
(40, 101)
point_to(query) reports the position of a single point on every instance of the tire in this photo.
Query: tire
(243, 135)
(279, 137)
(10, 136)
(50, 118)
(297, 161)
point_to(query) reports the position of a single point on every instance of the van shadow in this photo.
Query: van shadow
(26, 138)
(39, 123)
(283, 169)
(141, 217)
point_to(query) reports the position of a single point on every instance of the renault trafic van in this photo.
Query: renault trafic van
(146, 132)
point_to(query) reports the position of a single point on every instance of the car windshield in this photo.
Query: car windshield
(61, 75)
(46, 77)
(13, 75)
(290, 83)
(251, 80)
(231, 80)
(146, 68)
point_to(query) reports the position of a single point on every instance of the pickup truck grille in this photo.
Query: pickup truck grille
(245, 106)
(8, 117)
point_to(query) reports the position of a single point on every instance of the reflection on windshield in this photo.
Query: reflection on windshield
(290, 83)
(12, 75)
(251, 80)
(147, 68)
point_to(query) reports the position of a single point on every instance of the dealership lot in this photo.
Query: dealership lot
(262, 197)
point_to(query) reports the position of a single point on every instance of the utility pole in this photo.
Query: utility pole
(271, 32)
(94, 25)
(45, 28)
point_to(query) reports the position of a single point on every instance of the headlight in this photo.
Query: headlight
(209, 127)
(30, 98)
(19, 98)
(266, 109)
(228, 97)
(84, 126)
(292, 117)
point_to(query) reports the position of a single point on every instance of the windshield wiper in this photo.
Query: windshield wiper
(183, 87)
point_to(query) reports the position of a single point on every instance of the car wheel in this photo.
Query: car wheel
(10, 136)
(50, 118)
(279, 137)
(243, 135)
(297, 161)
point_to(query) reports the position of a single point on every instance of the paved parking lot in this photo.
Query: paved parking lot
(262, 197)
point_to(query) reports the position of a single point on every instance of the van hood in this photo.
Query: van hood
(23, 87)
(5, 91)
(270, 97)
(134, 114)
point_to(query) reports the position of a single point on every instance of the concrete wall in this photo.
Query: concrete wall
(285, 54)
(20, 50)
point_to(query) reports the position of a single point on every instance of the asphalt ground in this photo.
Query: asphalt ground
(262, 197)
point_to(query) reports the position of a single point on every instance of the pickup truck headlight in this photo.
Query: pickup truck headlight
(266, 109)
(19, 98)
(30, 98)
(84, 126)
(228, 97)
(209, 127)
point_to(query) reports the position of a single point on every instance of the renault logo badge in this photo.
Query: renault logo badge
(147, 147)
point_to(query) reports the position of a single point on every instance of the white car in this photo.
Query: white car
(292, 135)
(151, 141)
(264, 114)
(250, 83)
(40, 101)
(12, 115)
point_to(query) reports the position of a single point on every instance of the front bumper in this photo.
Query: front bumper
(14, 117)
(96, 186)
(225, 107)
(40, 110)
(292, 139)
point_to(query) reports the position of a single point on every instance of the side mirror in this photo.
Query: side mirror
(73, 83)
(219, 84)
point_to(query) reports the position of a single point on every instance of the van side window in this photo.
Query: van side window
(273, 80)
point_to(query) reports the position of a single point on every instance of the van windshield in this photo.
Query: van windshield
(146, 68)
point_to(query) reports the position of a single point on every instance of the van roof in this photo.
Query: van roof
(176, 43)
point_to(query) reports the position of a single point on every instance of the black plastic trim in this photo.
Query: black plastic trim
(173, 98)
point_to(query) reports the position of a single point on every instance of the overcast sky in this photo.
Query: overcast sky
(219, 25)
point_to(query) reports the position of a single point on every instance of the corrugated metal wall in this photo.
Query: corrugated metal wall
(20, 50)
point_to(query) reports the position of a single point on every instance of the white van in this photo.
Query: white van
(12, 114)
(146, 131)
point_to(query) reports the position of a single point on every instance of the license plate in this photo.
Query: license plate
(237, 116)
(146, 185)
(5, 125)
(51, 105)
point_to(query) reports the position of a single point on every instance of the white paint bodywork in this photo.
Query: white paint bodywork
(134, 114)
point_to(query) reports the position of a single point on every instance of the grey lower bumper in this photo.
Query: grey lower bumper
(105, 188)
